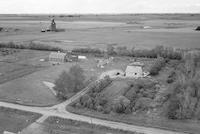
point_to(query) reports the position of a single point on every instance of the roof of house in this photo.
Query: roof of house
(6, 132)
(57, 55)
(136, 64)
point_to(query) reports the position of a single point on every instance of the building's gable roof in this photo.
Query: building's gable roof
(57, 55)
(136, 64)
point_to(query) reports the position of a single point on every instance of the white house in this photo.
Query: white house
(134, 70)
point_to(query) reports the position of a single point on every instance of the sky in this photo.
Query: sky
(98, 6)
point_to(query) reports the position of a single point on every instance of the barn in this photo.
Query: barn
(57, 57)
(134, 70)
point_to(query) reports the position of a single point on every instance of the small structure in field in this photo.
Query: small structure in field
(81, 57)
(6, 132)
(198, 28)
(57, 57)
(135, 70)
(72, 58)
(52, 26)
(103, 62)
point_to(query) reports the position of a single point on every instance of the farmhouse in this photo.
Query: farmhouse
(134, 70)
(57, 57)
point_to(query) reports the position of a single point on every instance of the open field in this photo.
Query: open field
(188, 126)
(15, 120)
(54, 125)
(16, 71)
(140, 31)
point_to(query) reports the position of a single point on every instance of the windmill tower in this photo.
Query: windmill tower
(53, 25)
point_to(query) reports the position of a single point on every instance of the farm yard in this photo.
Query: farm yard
(135, 101)
(139, 76)
(23, 75)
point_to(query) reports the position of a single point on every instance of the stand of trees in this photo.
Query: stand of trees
(31, 45)
(94, 99)
(70, 82)
(161, 51)
(184, 94)
(157, 66)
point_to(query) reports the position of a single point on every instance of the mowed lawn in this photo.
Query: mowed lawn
(15, 120)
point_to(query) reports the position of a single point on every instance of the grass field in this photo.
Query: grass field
(54, 125)
(140, 31)
(189, 126)
(15, 120)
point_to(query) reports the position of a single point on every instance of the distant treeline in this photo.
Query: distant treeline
(31, 45)
(159, 51)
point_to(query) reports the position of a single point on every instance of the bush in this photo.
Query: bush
(120, 104)
(143, 103)
(172, 77)
(70, 82)
(94, 99)
(173, 107)
(157, 66)
(138, 92)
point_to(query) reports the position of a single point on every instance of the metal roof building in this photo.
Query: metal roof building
(57, 57)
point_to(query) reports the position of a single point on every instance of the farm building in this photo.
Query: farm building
(6, 132)
(198, 28)
(135, 70)
(57, 57)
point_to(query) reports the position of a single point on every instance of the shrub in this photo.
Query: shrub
(157, 66)
(94, 99)
(172, 77)
(70, 82)
(120, 104)
(143, 103)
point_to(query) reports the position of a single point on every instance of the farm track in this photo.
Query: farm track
(60, 111)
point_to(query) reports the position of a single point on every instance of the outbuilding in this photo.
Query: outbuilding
(134, 70)
(198, 28)
(57, 57)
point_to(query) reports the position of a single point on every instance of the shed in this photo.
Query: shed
(198, 28)
(57, 57)
(6, 132)
(135, 70)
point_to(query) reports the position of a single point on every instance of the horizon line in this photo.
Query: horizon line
(92, 13)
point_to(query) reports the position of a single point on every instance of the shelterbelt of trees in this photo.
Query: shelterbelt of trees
(159, 51)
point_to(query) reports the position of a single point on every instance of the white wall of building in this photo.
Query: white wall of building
(134, 71)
